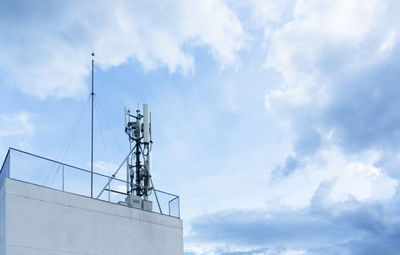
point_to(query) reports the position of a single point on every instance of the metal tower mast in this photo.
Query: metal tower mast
(138, 129)
(91, 150)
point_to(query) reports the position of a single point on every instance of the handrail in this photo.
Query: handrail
(155, 194)
(169, 205)
(61, 163)
(107, 186)
(5, 159)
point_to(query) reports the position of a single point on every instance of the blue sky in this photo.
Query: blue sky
(277, 122)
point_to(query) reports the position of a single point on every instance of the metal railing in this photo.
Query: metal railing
(39, 170)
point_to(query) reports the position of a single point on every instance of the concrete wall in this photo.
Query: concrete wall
(42, 221)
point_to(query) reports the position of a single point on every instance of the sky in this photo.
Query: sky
(277, 122)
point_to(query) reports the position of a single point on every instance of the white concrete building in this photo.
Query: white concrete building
(36, 220)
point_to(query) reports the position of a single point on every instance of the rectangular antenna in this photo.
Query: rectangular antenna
(149, 169)
(150, 164)
(146, 129)
(151, 131)
(126, 116)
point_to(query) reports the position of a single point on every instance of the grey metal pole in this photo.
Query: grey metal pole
(109, 189)
(116, 172)
(63, 177)
(91, 163)
(9, 163)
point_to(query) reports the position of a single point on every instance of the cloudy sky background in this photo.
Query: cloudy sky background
(277, 122)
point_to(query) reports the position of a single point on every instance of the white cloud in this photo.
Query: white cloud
(47, 48)
(327, 41)
(286, 98)
(265, 12)
(352, 177)
(17, 127)
(16, 124)
(389, 42)
(326, 38)
(105, 167)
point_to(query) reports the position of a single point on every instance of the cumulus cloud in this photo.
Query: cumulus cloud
(17, 127)
(363, 111)
(57, 38)
(16, 124)
(353, 176)
(297, 48)
(325, 41)
(338, 60)
(349, 227)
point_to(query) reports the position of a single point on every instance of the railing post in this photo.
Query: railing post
(9, 163)
(169, 206)
(158, 202)
(5, 168)
(179, 207)
(109, 189)
(62, 177)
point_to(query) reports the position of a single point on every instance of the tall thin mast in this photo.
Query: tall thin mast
(91, 161)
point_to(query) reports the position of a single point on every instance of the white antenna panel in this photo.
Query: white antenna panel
(126, 115)
(149, 168)
(146, 129)
(151, 130)
(150, 164)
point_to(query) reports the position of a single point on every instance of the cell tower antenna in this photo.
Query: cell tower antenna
(140, 185)
(91, 149)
